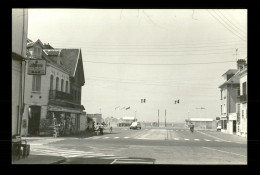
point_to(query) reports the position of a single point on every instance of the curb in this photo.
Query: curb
(59, 161)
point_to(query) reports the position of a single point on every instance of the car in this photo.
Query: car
(219, 128)
(135, 125)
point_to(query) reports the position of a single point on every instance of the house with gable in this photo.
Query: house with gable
(53, 98)
(230, 93)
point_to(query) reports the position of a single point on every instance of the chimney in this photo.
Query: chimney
(240, 63)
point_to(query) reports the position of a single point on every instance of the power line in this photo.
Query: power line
(230, 22)
(242, 34)
(164, 55)
(157, 50)
(154, 84)
(161, 64)
(225, 26)
(149, 44)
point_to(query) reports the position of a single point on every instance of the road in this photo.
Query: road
(146, 146)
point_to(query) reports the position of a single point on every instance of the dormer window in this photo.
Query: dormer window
(37, 52)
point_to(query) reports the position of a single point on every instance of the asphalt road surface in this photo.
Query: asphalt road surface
(170, 145)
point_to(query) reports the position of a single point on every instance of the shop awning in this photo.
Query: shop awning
(78, 109)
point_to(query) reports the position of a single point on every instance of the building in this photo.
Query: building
(242, 106)
(19, 37)
(230, 91)
(97, 118)
(53, 92)
(126, 121)
(202, 123)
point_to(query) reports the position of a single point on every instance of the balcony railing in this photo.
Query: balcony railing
(243, 98)
(58, 95)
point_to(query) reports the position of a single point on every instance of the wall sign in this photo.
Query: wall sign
(36, 67)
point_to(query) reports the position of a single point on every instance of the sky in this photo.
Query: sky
(160, 55)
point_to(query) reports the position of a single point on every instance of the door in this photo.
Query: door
(234, 126)
(34, 120)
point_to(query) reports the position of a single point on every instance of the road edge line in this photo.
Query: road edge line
(224, 151)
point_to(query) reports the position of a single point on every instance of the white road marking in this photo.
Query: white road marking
(197, 139)
(116, 137)
(126, 137)
(176, 139)
(225, 151)
(206, 140)
(217, 140)
(131, 162)
(186, 139)
(215, 137)
(105, 137)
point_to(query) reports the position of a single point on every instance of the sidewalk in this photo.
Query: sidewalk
(41, 159)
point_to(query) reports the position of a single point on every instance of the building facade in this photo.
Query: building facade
(202, 123)
(242, 106)
(230, 92)
(19, 37)
(54, 97)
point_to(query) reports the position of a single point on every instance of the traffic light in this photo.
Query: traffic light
(143, 100)
(177, 101)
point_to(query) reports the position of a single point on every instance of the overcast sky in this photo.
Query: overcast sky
(161, 55)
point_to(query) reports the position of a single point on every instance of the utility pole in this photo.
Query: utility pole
(158, 117)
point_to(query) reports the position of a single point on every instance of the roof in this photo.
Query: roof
(30, 43)
(128, 118)
(230, 71)
(70, 57)
(233, 80)
(201, 119)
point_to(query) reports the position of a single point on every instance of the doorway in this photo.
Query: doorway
(234, 126)
(34, 120)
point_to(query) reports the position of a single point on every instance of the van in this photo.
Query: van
(135, 125)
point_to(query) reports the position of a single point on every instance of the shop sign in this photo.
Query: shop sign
(36, 67)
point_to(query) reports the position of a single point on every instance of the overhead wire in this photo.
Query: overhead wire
(238, 32)
(231, 22)
(225, 26)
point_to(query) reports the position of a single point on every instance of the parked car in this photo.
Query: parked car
(219, 128)
(135, 125)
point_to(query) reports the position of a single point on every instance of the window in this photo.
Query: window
(238, 91)
(37, 52)
(51, 83)
(67, 90)
(57, 83)
(244, 88)
(221, 95)
(36, 83)
(243, 113)
(62, 85)
(221, 109)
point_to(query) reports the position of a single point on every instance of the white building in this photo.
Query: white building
(230, 92)
(54, 94)
(19, 39)
(242, 106)
(202, 123)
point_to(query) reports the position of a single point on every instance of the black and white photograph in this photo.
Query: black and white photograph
(129, 86)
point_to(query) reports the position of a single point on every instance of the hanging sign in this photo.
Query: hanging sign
(37, 67)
